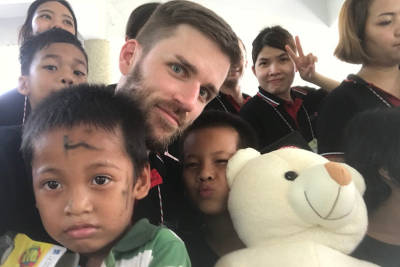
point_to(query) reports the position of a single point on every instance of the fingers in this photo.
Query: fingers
(291, 53)
(298, 46)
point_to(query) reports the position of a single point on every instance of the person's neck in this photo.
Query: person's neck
(235, 92)
(384, 222)
(220, 234)
(286, 96)
(95, 260)
(386, 78)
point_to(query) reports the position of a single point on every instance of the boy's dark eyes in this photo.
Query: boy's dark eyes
(50, 67)
(101, 180)
(221, 161)
(190, 165)
(52, 185)
(79, 73)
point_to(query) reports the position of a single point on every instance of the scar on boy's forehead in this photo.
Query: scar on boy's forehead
(68, 145)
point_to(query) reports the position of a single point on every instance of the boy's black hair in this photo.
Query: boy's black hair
(36, 43)
(92, 105)
(216, 118)
(372, 143)
(26, 29)
(138, 18)
(275, 36)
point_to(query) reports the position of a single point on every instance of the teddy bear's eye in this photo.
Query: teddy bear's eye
(291, 175)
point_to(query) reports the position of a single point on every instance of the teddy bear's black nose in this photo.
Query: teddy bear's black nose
(291, 175)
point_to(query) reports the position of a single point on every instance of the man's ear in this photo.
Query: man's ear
(142, 185)
(23, 85)
(127, 55)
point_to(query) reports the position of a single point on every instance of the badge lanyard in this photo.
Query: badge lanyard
(379, 97)
(313, 142)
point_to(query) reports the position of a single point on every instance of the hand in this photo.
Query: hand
(304, 64)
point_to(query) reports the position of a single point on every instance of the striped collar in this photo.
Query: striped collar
(273, 100)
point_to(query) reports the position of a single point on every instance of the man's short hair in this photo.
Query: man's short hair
(92, 105)
(275, 36)
(217, 118)
(168, 16)
(352, 19)
(36, 43)
(138, 18)
(373, 143)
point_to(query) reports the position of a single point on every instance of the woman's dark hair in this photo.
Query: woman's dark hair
(372, 145)
(275, 36)
(26, 29)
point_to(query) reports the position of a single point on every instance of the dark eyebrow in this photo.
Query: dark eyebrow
(53, 56)
(192, 69)
(46, 10)
(264, 59)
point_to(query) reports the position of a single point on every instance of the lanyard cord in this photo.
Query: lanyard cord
(379, 97)
(222, 104)
(285, 120)
(372, 90)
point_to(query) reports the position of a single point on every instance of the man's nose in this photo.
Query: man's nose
(187, 96)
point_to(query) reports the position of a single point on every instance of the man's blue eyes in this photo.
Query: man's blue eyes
(176, 68)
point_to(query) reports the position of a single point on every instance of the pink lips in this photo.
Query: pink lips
(275, 80)
(170, 116)
(205, 191)
(81, 231)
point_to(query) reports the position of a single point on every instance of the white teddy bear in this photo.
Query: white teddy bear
(292, 207)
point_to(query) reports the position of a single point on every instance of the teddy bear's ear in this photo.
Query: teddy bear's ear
(237, 161)
(358, 179)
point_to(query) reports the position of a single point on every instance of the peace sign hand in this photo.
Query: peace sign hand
(304, 64)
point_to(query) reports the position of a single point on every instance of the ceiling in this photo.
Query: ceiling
(106, 18)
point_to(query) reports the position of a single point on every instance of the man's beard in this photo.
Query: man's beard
(135, 87)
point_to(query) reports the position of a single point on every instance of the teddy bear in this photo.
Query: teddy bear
(292, 207)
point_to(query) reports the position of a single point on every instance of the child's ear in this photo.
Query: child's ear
(253, 68)
(142, 185)
(23, 87)
(128, 53)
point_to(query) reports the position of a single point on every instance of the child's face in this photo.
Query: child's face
(83, 182)
(54, 67)
(52, 15)
(206, 153)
